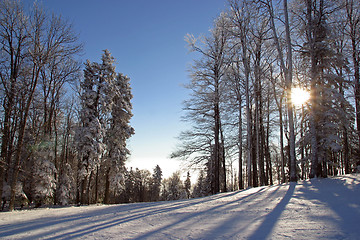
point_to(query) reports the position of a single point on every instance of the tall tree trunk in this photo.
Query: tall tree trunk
(217, 138)
(353, 20)
(83, 191)
(107, 187)
(19, 146)
(259, 128)
(246, 64)
(257, 139)
(248, 131)
(302, 147)
(56, 160)
(97, 185)
(4, 145)
(282, 149)
(242, 21)
(254, 159)
(356, 60)
(281, 135)
(288, 72)
(346, 151)
(241, 183)
(314, 171)
(223, 160)
(9, 101)
(89, 189)
(279, 105)
(344, 156)
(293, 168)
(262, 146)
(267, 146)
(16, 167)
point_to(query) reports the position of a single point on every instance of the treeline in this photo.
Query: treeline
(243, 120)
(142, 186)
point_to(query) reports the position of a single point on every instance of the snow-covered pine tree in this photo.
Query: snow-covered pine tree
(156, 184)
(118, 133)
(128, 192)
(105, 118)
(201, 188)
(43, 174)
(142, 180)
(187, 185)
(65, 193)
(89, 134)
(173, 188)
(106, 84)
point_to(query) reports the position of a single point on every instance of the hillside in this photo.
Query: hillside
(316, 209)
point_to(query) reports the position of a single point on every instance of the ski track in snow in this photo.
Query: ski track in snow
(317, 209)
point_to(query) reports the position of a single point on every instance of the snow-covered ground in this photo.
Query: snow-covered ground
(316, 209)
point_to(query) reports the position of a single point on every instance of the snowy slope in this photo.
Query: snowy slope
(316, 209)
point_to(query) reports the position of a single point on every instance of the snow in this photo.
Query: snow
(317, 209)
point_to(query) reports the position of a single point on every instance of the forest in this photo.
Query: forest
(251, 122)
(65, 124)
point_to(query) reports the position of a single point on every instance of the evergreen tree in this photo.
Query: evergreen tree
(201, 186)
(156, 184)
(128, 194)
(118, 133)
(44, 175)
(66, 189)
(90, 133)
(105, 117)
(173, 188)
(187, 185)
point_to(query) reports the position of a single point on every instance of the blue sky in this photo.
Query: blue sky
(147, 39)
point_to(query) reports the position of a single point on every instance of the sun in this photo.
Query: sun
(299, 96)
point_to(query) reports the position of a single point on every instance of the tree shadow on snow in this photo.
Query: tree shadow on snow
(111, 216)
(266, 227)
(192, 218)
(340, 195)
